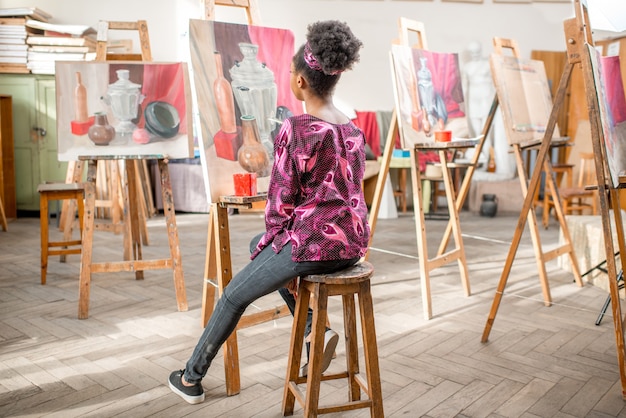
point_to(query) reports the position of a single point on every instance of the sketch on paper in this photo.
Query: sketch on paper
(123, 109)
(524, 96)
(241, 78)
(429, 94)
(612, 105)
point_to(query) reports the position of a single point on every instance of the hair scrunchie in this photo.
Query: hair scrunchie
(312, 62)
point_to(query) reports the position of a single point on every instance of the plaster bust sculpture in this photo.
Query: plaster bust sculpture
(479, 92)
(478, 87)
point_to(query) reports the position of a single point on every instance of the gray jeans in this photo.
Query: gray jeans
(265, 274)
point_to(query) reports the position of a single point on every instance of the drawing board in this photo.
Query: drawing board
(525, 97)
(610, 91)
(241, 77)
(123, 109)
(428, 93)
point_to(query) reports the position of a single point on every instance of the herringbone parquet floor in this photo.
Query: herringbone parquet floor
(539, 362)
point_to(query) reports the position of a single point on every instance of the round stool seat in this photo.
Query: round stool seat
(353, 274)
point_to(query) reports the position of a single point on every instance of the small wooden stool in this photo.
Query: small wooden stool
(314, 291)
(59, 191)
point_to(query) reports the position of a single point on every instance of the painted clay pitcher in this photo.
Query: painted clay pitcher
(252, 155)
(101, 133)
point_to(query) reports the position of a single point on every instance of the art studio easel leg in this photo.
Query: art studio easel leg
(218, 270)
(458, 253)
(137, 264)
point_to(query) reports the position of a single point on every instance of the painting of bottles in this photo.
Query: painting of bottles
(241, 78)
(123, 108)
(428, 94)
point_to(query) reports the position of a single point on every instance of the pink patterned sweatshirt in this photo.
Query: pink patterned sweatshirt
(315, 197)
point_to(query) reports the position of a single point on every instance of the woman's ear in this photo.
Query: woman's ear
(300, 81)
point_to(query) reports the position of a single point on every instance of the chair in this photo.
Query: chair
(314, 291)
(578, 198)
(59, 191)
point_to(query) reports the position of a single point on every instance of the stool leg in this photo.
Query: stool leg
(43, 222)
(319, 304)
(370, 349)
(295, 351)
(352, 350)
(80, 203)
(67, 228)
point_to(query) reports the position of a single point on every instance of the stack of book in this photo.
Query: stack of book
(57, 42)
(13, 35)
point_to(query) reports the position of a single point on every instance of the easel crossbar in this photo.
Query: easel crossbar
(138, 265)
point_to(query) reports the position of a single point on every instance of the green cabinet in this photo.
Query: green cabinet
(35, 135)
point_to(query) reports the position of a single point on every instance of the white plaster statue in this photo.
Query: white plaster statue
(479, 92)
(478, 87)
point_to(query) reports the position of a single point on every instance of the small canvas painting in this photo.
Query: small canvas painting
(428, 93)
(612, 105)
(123, 109)
(524, 97)
(241, 78)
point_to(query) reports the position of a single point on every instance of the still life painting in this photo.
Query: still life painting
(428, 93)
(124, 109)
(612, 105)
(241, 78)
(524, 96)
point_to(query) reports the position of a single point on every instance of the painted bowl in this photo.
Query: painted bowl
(162, 119)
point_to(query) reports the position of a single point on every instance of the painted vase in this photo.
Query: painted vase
(224, 98)
(124, 97)
(80, 100)
(255, 91)
(101, 133)
(252, 155)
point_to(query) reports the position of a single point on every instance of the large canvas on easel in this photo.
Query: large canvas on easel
(524, 96)
(147, 107)
(241, 76)
(428, 93)
(610, 92)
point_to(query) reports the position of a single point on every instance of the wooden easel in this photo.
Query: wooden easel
(218, 266)
(131, 204)
(528, 212)
(567, 247)
(407, 26)
(608, 191)
(455, 201)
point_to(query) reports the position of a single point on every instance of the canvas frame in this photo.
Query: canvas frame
(162, 86)
(612, 120)
(275, 50)
(524, 96)
(405, 67)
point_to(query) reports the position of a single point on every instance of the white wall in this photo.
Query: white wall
(450, 26)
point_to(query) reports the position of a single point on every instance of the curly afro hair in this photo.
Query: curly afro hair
(335, 48)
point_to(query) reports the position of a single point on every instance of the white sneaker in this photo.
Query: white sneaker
(331, 338)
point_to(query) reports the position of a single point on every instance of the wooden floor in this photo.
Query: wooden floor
(539, 362)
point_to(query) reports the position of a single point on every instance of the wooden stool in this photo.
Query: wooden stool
(314, 291)
(59, 191)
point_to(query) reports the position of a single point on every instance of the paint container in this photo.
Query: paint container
(443, 136)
